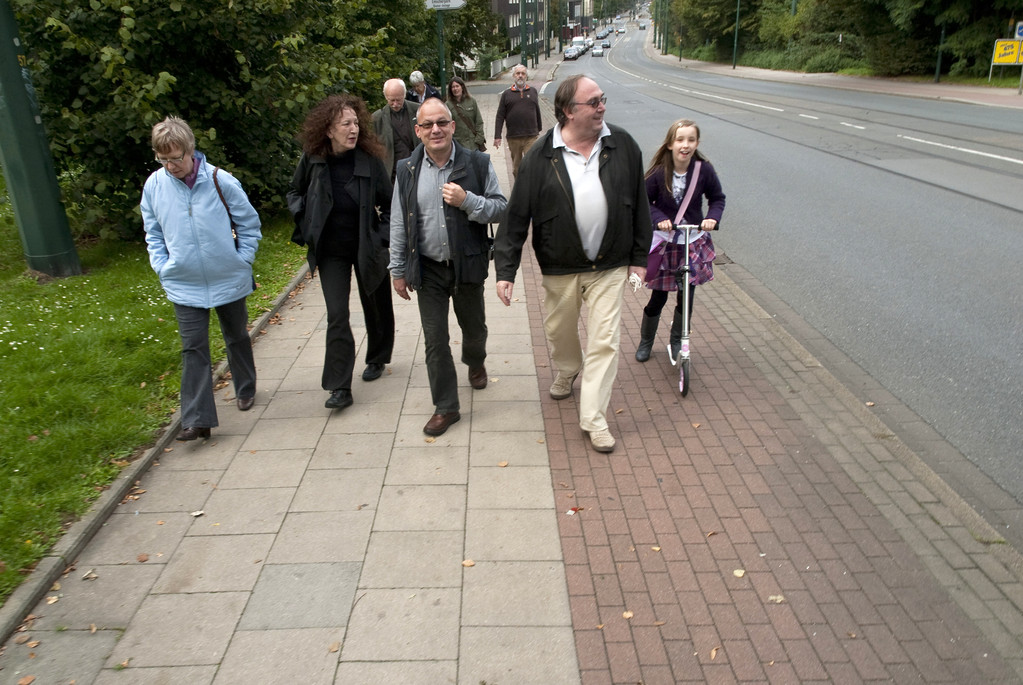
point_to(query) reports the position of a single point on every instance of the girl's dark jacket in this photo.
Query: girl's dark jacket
(310, 201)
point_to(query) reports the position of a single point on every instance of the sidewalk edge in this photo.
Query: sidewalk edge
(59, 559)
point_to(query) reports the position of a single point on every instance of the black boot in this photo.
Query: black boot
(675, 339)
(647, 332)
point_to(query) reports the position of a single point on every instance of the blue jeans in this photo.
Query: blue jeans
(437, 288)
(198, 407)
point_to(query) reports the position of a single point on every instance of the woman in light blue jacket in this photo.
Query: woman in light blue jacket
(202, 234)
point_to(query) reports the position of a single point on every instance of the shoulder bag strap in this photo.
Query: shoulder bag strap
(689, 193)
(216, 185)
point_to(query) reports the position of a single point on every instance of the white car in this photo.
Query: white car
(597, 51)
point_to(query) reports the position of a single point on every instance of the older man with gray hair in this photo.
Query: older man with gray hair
(420, 88)
(395, 124)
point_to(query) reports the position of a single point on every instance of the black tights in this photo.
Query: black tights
(658, 298)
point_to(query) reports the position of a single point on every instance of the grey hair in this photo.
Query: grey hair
(416, 77)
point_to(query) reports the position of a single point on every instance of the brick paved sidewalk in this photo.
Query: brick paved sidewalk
(765, 528)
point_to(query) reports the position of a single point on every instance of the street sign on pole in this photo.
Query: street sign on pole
(445, 4)
(1019, 30)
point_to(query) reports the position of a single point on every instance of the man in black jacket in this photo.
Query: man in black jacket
(444, 197)
(582, 189)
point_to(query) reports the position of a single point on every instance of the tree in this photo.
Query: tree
(242, 73)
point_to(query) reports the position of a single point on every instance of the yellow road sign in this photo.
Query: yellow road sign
(1007, 52)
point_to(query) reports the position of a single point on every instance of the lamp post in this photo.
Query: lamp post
(735, 43)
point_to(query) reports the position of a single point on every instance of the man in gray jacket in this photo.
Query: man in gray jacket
(444, 197)
(582, 190)
(395, 124)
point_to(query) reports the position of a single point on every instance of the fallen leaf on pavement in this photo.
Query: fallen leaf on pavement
(776, 599)
(33, 644)
(468, 563)
(738, 573)
(21, 639)
(334, 647)
(27, 680)
(430, 440)
(714, 653)
(656, 549)
(696, 425)
(659, 623)
(502, 464)
(197, 514)
(142, 558)
(870, 404)
(713, 532)
(52, 600)
(626, 614)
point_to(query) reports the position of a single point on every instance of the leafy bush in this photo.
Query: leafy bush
(243, 74)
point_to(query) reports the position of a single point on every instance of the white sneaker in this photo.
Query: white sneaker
(602, 441)
(562, 387)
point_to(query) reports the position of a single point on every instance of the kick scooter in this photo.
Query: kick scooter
(683, 360)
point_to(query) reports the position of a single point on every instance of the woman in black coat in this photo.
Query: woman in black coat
(341, 200)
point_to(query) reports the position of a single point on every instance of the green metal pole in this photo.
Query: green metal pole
(28, 166)
(735, 44)
(443, 85)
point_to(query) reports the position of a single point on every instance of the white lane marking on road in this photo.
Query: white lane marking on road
(740, 102)
(810, 116)
(856, 126)
(961, 149)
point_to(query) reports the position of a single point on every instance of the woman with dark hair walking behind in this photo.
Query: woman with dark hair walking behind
(678, 179)
(202, 233)
(468, 119)
(341, 199)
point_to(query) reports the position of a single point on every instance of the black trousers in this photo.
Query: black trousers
(339, 356)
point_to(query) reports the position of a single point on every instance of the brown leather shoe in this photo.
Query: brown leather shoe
(245, 403)
(439, 423)
(478, 377)
(193, 434)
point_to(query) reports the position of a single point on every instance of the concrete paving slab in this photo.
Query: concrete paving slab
(193, 675)
(421, 507)
(405, 672)
(413, 559)
(180, 630)
(497, 416)
(511, 487)
(307, 656)
(526, 448)
(214, 563)
(278, 468)
(514, 593)
(126, 535)
(432, 465)
(512, 535)
(108, 601)
(309, 537)
(302, 596)
(349, 451)
(283, 434)
(524, 656)
(60, 657)
(235, 512)
(339, 490)
(365, 416)
(214, 454)
(403, 625)
(169, 491)
(296, 404)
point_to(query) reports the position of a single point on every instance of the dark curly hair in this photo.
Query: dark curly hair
(321, 117)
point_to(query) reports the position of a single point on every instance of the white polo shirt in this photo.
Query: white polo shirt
(590, 202)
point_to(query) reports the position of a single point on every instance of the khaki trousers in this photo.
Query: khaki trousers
(602, 293)
(518, 147)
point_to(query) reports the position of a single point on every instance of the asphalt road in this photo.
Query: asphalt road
(892, 225)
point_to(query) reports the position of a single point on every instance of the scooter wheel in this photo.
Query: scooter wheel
(683, 378)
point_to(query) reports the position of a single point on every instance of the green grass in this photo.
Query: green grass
(89, 372)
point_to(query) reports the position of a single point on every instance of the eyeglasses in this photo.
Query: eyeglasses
(594, 103)
(428, 125)
(164, 162)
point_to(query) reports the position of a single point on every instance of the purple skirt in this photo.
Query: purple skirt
(665, 259)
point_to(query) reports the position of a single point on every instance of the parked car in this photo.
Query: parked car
(572, 53)
(597, 51)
